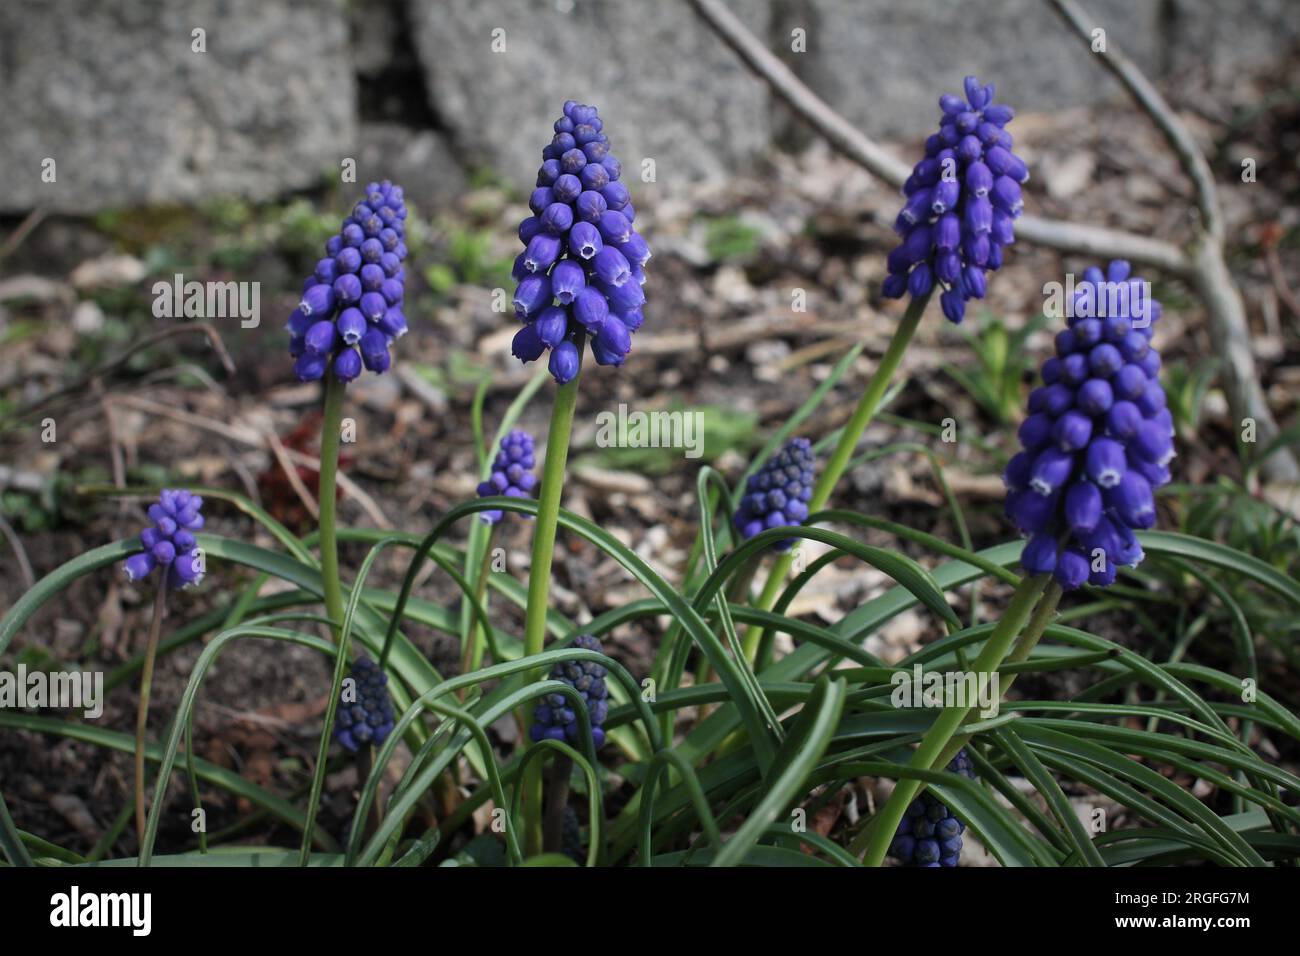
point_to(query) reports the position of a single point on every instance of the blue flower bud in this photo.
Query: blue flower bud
(1072, 430)
(1105, 462)
(1052, 469)
(590, 309)
(527, 345)
(542, 252)
(374, 350)
(555, 219)
(317, 300)
(321, 338)
(1095, 396)
(347, 365)
(552, 325)
(351, 325)
(1082, 506)
(1071, 568)
(567, 188)
(1133, 500)
(393, 323)
(585, 241)
(611, 266)
(1039, 555)
(565, 362)
(532, 294)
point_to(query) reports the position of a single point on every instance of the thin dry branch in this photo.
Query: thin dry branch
(1142, 90)
(1087, 240)
(1201, 264)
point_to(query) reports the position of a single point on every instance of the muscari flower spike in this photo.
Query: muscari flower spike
(1098, 439)
(169, 542)
(929, 835)
(583, 264)
(351, 308)
(962, 202)
(554, 718)
(512, 472)
(369, 718)
(777, 495)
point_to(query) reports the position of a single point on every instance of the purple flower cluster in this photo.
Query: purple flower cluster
(582, 267)
(169, 542)
(962, 202)
(512, 472)
(929, 835)
(351, 308)
(366, 716)
(777, 495)
(554, 718)
(1098, 439)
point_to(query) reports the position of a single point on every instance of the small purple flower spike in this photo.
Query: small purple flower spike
(777, 495)
(512, 472)
(366, 716)
(962, 202)
(555, 719)
(930, 835)
(351, 308)
(1098, 440)
(169, 542)
(582, 268)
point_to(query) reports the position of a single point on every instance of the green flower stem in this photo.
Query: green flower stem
(876, 837)
(472, 654)
(142, 709)
(539, 585)
(329, 466)
(1042, 616)
(868, 405)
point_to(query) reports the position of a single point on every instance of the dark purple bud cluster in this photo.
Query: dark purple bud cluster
(169, 542)
(351, 308)
(512, 472)
(777, 495)
(1098, 439)
(554, 718)
(365, 716)
(962, 202)
(929, 834)
(571, 837)
(583, 264)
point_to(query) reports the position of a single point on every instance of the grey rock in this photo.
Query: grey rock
(114, 93)
(883, 64)
(666, 88)
(1225, 34)
(420, 160)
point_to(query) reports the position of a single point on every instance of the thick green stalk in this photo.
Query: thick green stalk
(539, 583)
(876, 837)
(1042, 616)
(329, 466)
(142, 709)
(868, 405)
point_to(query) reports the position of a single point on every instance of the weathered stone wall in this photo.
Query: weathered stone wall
(115, 94)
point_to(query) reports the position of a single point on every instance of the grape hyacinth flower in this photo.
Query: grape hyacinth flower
(512, 472)
(366, 716)
(583, 263)
(962, 202)
(1098, 439)
(351, 308)
(169, 542)
(929, 835)
(554, 718)
(777, 494)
